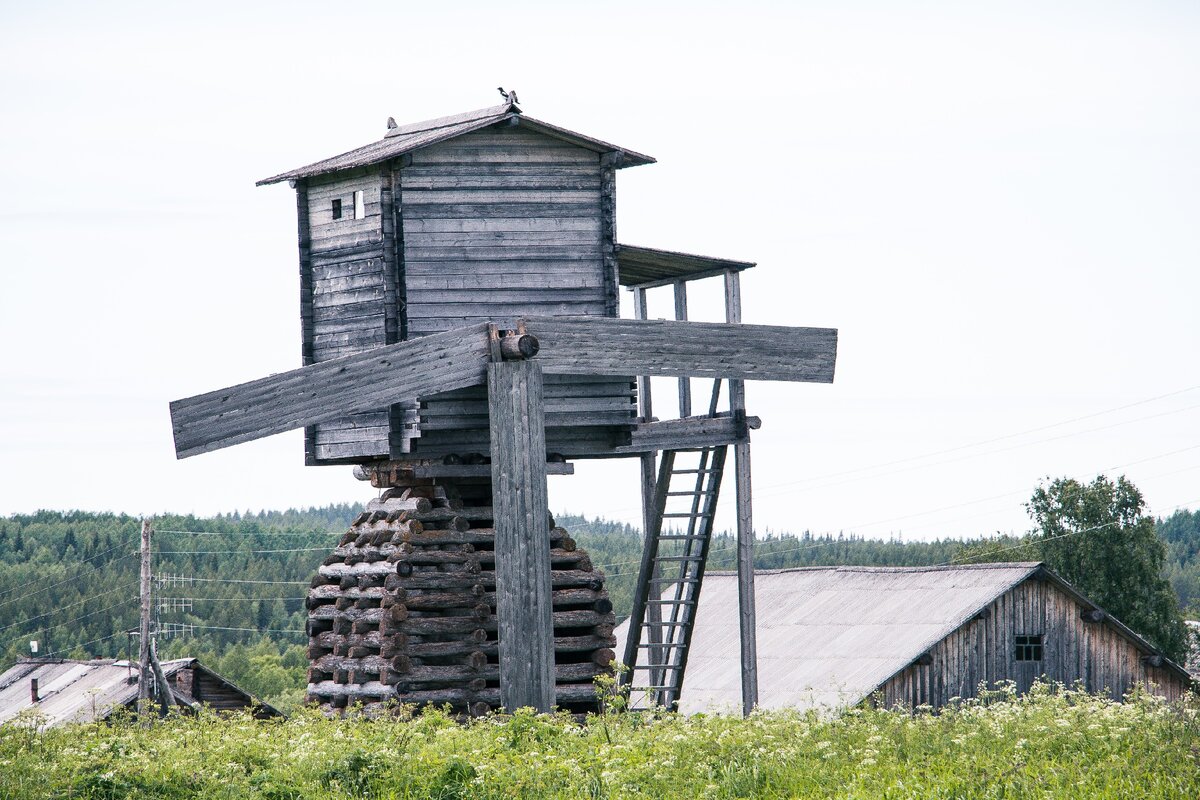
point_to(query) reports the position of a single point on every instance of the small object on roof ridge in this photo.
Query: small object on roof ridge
(392, 124)
(510, 96)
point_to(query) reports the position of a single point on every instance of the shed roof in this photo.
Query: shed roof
(407, 138)
(83, 691)
(830, 636)
(649, 266)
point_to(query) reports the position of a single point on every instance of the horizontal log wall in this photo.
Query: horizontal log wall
(984, 651)
(496, 225)
(348, 276)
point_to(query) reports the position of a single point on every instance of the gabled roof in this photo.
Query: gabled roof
(830, 636)
(85, 691)
(407, 138)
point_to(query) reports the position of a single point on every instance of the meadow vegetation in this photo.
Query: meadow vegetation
(1054, 743)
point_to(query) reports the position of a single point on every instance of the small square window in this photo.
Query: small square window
(360, 207)
(337, 209)
(1029, 647)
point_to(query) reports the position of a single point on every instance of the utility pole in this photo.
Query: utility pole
(144, 645)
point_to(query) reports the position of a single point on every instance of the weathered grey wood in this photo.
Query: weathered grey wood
(685, 384)
(478, 470)
(523, 598)
(658, 347)
(688, 434)
(328, 390)
(745, 520)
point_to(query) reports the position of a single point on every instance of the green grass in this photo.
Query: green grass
(1055, 743)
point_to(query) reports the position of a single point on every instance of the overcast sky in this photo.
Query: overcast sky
(996, 205)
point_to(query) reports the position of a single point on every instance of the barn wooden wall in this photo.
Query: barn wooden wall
(983, 650)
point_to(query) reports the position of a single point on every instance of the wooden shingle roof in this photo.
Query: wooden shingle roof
(407, 138)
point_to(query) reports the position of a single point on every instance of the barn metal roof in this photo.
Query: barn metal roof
(407, 138)
(830, 636)
(649, 266)
(80, 691)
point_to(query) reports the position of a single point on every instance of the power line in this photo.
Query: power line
(237, 552)
(121, 588)
(73, 620)
(1005, 437)
(64, 580)
(241, 580)
(248, 630)
(255, 533)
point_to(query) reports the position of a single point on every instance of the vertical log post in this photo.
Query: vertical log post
(144, 645)
(524, 602)
(649, 464)
(685, 383)
(745, 517)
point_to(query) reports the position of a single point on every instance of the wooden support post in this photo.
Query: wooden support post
(649, 464)
(524, 600)
(745, 517)
(685, 383)
(144, 645)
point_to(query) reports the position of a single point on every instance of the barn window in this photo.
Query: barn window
(337, 208)
(1029, 647)
(360, 208)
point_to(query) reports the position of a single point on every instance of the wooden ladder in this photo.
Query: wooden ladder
(670, 577)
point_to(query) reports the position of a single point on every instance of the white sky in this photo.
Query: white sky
(996, 204)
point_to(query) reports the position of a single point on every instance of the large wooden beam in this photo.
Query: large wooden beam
(458, 358)
(602, 346)
(690, 433)
(331, 389)
(524, 600)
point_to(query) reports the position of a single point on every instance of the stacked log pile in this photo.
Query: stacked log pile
(404, 609)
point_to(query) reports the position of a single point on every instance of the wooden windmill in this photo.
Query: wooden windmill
(460, 341)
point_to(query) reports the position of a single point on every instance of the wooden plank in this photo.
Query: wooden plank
(506, 238)
(479, 471)
(416, 251)
(686, 434)
(448, 210)
(504, 225)
(600, 346)
(479, 305)
(524, 601)
(325, 391)
(504, 155)
(502, 281)
(529, 265)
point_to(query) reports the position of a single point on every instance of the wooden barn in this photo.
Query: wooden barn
(461, 340)
(63, 691)
(837, 636)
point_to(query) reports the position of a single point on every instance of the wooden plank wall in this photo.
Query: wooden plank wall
(496, 225)
(983, 650)
(350, 288)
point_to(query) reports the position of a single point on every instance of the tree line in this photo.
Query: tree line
(69, 579)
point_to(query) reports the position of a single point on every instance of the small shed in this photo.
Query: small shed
(65, 691)
(833, 637)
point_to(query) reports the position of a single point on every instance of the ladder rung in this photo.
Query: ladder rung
(646, 688)
(648, 646)
(671, 602)
(693, 471)
(673, 581)
(700, 515)
(688, 494)
(679, 537)
(678, 558)
(674, 667)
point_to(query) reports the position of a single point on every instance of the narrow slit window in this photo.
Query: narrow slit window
(1029, 647)
(337, 209)
(360, 207)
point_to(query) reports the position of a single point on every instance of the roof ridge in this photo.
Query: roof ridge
(453, 119)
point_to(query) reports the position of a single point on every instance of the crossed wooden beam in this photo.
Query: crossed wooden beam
(513, 366)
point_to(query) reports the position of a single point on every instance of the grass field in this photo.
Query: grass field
(1055, 743)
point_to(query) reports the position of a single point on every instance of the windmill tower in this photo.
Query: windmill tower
(461, 340)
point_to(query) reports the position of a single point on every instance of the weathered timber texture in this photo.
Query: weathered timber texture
(329, 390)
(405, 607)
(458, 358)
(579, 346)
(523, 587)
(689, 433)
(984, 651)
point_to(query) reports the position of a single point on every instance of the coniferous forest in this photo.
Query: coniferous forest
(230, 589)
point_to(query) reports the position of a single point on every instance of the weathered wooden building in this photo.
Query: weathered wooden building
(487, 216)
(837, 636)
(459, 287)
(61, 691)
